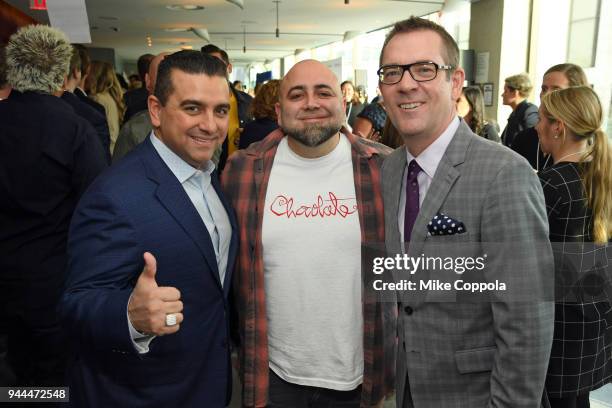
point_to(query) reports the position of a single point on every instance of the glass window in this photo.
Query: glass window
(582, 38)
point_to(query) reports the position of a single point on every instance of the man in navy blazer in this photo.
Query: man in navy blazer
(151, 249)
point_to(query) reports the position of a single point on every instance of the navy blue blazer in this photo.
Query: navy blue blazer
(97, 120)
(139, 205)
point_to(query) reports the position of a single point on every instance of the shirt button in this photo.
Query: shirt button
(408, 310)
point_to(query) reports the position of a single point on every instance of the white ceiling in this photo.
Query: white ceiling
(303, 24)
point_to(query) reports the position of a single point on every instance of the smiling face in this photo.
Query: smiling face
(348, 92)
(195, 119)
(420, 111)
(310, 108)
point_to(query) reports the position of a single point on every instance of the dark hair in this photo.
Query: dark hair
(188, 61)
(473, 96)
(212, 48)
(75, 62)
(451, 50)
(264, 101)
(355, 96)
(143, 65)
(3, 81)
(574, 74)
(85, 60)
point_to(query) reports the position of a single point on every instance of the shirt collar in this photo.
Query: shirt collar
(429, 158)
(179, 167)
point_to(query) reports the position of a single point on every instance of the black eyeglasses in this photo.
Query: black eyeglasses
(419, 71)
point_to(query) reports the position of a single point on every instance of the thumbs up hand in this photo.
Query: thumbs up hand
(150, 304)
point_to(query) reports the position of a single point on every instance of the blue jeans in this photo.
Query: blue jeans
(282, 394)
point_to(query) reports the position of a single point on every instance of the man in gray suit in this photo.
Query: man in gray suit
(448, 187)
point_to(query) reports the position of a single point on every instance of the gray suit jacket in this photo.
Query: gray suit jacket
(476, 353)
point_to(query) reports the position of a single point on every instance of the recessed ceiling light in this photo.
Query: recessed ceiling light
(175, 30)
(185, 7)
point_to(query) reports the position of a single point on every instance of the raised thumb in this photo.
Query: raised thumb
(150, 267)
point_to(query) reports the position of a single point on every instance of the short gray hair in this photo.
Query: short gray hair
(37, 58)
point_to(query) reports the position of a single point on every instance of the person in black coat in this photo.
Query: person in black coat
(136, 99)
(79, 90)
(524, 114)
(577, 190)
(353, 104)
(48, 158)
(559, 76)
(264, 114)
(84, 110)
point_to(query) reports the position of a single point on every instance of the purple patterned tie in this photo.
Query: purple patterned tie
(412, 198)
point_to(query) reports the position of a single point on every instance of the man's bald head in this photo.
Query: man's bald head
(311, 108)
(151, 77)
(307, 69)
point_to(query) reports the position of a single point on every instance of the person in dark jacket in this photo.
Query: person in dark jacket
(264, 114)
(79, 91)
(240, 103)
(577, 189)
(526, 143)
(353, 104)
(524, 114)
(84, 110)
(136, 99)
(470, 107)
(46, 164)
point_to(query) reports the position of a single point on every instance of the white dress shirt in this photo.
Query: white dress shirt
(428, 160)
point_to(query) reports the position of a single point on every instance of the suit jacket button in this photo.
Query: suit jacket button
(408, 310)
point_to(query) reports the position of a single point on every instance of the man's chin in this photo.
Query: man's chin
(313, 136)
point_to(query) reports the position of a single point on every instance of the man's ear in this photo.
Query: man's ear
(457, 80)
(277, 109)
(229, 68)
(155, 108)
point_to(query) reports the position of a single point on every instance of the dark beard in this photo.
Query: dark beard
(313, 136)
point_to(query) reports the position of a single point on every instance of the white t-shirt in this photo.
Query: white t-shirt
(312, 269)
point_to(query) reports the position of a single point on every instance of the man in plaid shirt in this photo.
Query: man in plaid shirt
(307, 197)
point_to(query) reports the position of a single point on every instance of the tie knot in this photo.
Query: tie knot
(413, 169)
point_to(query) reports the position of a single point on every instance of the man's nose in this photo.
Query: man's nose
(407, 82)
(207, 122)
(312, 102)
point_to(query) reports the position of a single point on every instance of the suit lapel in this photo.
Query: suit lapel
(173, 197)
(392, 185)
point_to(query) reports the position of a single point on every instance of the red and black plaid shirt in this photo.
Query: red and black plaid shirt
(245, 179)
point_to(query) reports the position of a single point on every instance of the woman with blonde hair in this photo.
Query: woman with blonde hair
(577, 189)
(104, 88)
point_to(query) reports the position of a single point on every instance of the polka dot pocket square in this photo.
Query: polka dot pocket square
(442, 224)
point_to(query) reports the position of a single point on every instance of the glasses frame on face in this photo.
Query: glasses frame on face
(408, 67)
